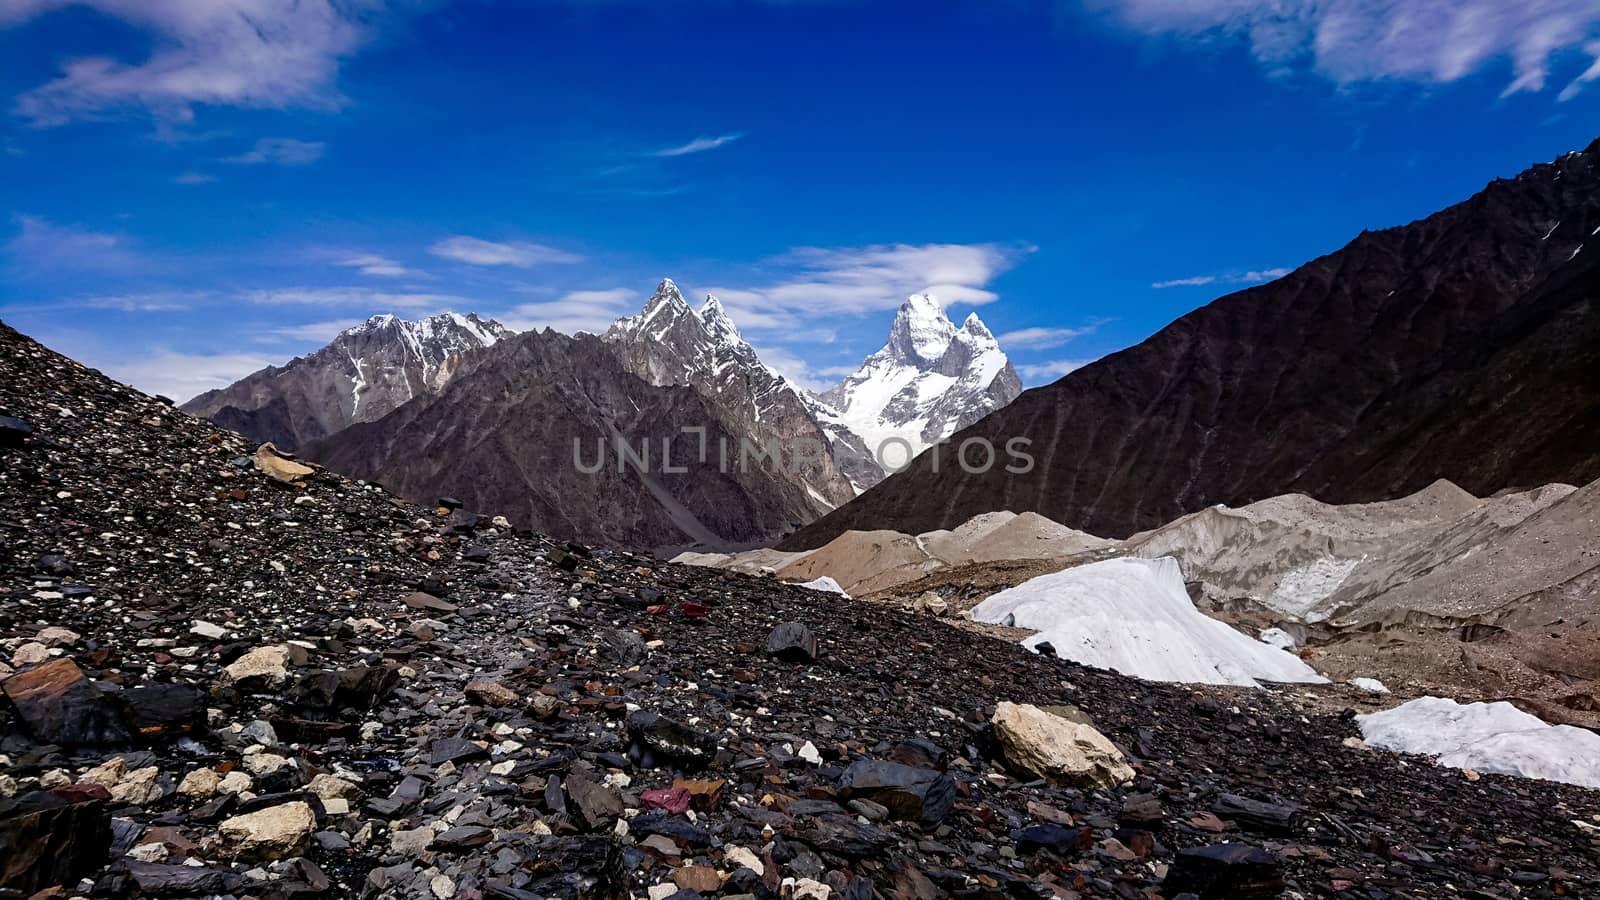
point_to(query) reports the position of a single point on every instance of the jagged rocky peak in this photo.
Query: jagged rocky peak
(975, 328)
(664, 310)
(717, 321)
(667, 313)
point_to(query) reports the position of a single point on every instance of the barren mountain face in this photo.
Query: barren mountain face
(556, 434)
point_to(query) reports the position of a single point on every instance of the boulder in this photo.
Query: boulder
(271, 833)
(60, 705)
(163, 880)
(55, 636)
(656, 739)
(792, 642)
(14, 432)
(597, 805)
(162, 711)
(200, 784)
(420, 600)
(53, 846)
(1226, 872)
(490, 693)
(1066, 752)
(625, 646)
(31, 653)
(909, 793)
(261, 667)
(279, 466)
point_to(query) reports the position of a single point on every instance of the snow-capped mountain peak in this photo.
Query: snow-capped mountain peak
(921, 331)
(928, 381)
(363, 374)
(666, 312)
(450, 331)
(974, 326)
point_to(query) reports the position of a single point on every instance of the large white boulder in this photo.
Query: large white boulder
(1061, 750)
(271, 833)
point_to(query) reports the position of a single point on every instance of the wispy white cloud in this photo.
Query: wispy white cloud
(1255, 276)
(264, 54)
(159, 301)
(824, 282)
(1350, 41)
(43, 246)
(479, 252)
(280, 152)
(700, 145)
(355, 297)
(1041, 338)
(378, 266)
(795, 367)
(591, 311)
(1592, 73)
(1192, 281)
(183, 375)
(313, 332)
(1050, 370)
(193, 178)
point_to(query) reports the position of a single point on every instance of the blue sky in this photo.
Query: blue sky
(195, 188)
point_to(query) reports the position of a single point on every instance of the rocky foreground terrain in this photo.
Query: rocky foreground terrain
(230, 674)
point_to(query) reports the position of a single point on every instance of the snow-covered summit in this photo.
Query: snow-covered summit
(929, 380)
(686, 344)
(363, 374)
(921, 332)
(446, 331)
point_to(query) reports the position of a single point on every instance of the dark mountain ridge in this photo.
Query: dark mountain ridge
(1463, 346)
(502, 436)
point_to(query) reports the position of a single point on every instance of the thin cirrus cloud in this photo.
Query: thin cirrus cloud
(518, 254)
(1351, 41)
(1050, 370)
(158, 301)
(193, 178)
(42, 246)
(354, 297)
(1590, 74)
(313, 332)
(798, 369)
(260, 54)
(700, 145)
(1255, 276)
(1041, 338)
(590, 311)
(280, 152)
(851, 281)
(378, 266)
(182, 376)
